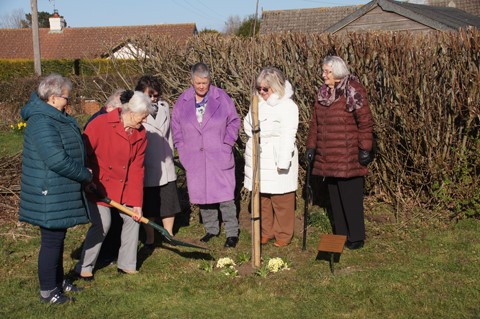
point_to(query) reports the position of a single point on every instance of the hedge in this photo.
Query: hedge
(424, 91)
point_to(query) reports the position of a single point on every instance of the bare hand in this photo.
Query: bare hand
(138, 212)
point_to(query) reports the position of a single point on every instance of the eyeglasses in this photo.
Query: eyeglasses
(262, 89)
(326, 72)
(65, 97)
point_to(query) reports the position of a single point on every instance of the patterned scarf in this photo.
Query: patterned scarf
(326, 95)
(202, 102)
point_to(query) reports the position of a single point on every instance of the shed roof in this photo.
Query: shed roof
(303, 20)
(437, 18)
(469, 6)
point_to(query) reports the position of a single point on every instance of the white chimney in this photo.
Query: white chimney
(57, 23)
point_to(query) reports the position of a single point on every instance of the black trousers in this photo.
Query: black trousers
(346, 200)
(50, 258)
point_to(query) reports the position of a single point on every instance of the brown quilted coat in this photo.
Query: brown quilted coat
(335, 136)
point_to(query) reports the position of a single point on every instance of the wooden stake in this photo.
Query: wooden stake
(256, 256)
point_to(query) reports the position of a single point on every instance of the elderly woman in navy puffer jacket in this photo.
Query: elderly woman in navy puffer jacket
(52, 175)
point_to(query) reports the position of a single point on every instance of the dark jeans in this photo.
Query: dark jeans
(50, 258)
(346, 200)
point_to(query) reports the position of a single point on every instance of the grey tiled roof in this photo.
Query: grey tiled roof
(469, 6)
(303, 20)
(437, 18)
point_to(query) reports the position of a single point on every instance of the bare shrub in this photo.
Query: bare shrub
(424, 91)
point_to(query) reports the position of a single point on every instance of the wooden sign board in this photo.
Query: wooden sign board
(332, 243)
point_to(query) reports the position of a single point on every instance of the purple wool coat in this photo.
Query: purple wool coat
(206, 150)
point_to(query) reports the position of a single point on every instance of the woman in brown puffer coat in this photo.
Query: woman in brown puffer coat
(339, 144)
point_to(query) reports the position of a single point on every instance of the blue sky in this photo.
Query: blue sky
(210, 14)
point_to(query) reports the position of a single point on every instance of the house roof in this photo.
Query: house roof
(303, 20)
(469, 6)
(437, 18)
(78, 43)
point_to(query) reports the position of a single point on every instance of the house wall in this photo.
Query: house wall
(379, 20)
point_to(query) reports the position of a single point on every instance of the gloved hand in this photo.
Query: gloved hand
(90, 188)
(310, 155)
(364, 157)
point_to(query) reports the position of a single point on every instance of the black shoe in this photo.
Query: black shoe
(231, 242)
(207, 237)
(67, 286)
(56, 297)
(354, 244)
(150, 247)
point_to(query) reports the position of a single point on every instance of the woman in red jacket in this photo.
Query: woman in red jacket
(115, 144)
(339, 143)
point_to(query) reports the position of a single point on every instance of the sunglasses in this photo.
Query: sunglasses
(262, 89)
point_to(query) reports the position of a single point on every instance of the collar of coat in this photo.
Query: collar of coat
(189, 111)
(36, 106)
(113, 119)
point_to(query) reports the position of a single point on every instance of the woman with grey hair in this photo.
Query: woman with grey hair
(115, 144)
(112, 103)
(53, 171)
(205, 126)
(339, 144)
(278, 117)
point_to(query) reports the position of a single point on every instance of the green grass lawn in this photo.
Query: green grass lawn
(414, 272)
(10, 143)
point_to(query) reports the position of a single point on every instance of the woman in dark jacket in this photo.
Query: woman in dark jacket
(339, 142)
(52, 175)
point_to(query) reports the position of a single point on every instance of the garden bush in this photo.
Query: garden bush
(423, 89)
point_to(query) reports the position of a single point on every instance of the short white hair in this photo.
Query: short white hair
(114, 100)
(200, 69)
(339, 67)
(53, 84)
(140, 103)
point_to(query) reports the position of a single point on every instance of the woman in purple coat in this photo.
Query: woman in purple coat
(205, 126)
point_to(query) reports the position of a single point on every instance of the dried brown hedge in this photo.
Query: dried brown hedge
(424, 91)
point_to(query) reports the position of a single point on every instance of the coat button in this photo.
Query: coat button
(109, 167)
(114, 126)
(121, 181)
(201, 149)
(124, 167)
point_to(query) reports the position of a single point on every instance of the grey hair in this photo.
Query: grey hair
(200, 69)
(113, 100)
(53, 84)
(274, 78)
(140, 103)
(339, 67)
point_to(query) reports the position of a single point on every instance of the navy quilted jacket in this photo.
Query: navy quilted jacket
(52, 168)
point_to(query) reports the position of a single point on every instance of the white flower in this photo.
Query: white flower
(225, 262)
(276, 264)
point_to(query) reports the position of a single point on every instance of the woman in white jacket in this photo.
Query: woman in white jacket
(278, 118)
